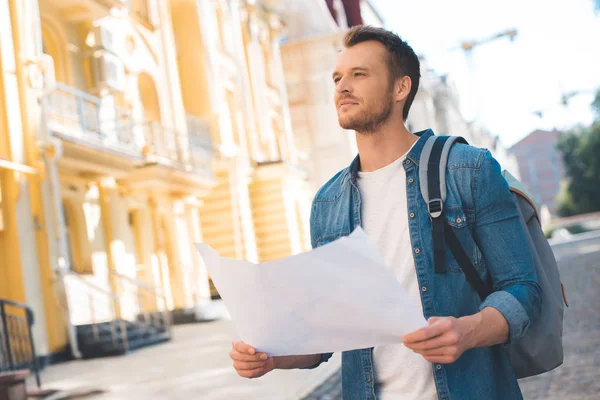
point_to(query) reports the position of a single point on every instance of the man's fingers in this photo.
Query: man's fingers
(252, 373)
(448, 339)
(236, 355)
(443, 352)
(248, 365)
(244, 348)
(437, 328)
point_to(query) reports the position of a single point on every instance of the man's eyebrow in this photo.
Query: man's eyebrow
(335, 73)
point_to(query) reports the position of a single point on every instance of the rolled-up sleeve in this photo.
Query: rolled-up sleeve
(324, 358)
(503, 242)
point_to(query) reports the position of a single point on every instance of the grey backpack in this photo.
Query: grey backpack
(540, 350)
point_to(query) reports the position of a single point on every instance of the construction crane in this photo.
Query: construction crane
(468, 46)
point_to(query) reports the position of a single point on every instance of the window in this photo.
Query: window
(78, 246)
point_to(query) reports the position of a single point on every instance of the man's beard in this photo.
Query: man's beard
(369, 120)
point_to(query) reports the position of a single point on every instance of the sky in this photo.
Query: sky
(556, 51)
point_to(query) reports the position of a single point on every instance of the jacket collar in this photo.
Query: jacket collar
(414, 154)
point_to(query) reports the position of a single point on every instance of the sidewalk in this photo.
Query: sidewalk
(194, 365)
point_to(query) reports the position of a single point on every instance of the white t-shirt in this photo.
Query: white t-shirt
(399, 372)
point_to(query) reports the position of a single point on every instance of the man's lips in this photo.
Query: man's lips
(347, 103)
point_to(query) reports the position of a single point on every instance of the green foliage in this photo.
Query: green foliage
(596, 104)
(580, 150)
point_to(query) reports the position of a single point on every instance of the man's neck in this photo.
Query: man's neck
(384, 146)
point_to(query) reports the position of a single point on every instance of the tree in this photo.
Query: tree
(580, 149)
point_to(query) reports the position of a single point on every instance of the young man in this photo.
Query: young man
(460, 354)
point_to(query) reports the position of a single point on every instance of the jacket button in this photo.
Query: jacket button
(368, 378)
(438, 367)
(424, 288)
(417, 251)
(410, 180)
(412, 215)
(458, 220)
(407, 162)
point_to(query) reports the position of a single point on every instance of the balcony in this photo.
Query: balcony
(80, 117)
(191, 152)
(95, 125)
(86, 10)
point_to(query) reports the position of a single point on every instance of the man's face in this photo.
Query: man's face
(364, 94)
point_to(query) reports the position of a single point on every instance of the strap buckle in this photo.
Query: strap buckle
(435, 207)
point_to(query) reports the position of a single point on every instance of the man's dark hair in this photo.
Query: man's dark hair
(402, 59)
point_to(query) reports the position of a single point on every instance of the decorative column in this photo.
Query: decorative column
(279, 80)
(207, 13)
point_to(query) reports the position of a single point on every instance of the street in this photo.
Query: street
(194, 365)
(578, 377)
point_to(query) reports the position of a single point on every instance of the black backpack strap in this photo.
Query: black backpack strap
(435, 205)
(432, 177)
(465, 263)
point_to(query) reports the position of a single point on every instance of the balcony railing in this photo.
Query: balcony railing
(79, 116)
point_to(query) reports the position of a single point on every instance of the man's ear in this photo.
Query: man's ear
(402, 88)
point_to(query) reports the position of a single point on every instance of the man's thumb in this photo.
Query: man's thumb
(433, 320)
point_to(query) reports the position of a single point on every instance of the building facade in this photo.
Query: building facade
(129, 130)
(540, 166)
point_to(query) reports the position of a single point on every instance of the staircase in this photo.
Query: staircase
(101, 340)
(118, 336)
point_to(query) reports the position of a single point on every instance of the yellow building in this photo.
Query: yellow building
(128, 131)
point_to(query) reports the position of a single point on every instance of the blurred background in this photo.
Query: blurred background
(131, 129)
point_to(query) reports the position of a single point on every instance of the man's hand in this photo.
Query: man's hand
(248, 362)
(251, 364)
(447, 338)
(443, 341)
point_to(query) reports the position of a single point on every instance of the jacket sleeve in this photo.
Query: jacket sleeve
(502, 239)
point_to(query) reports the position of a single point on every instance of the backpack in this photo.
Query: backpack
(540, 349)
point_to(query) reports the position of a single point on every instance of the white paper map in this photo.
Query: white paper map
(340, 296)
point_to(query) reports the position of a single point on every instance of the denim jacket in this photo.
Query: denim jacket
(482, 212)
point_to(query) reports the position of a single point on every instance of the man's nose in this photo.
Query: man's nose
(344, 86)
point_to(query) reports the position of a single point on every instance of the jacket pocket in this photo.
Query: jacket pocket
(459, 221)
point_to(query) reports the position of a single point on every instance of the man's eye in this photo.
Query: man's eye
(336, 80)
(358, 74)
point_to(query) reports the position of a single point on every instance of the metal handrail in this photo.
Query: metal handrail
(148, 316)
(113, 322)
(139, 284)
(5, 338)
(153, 318)
(97, 288)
